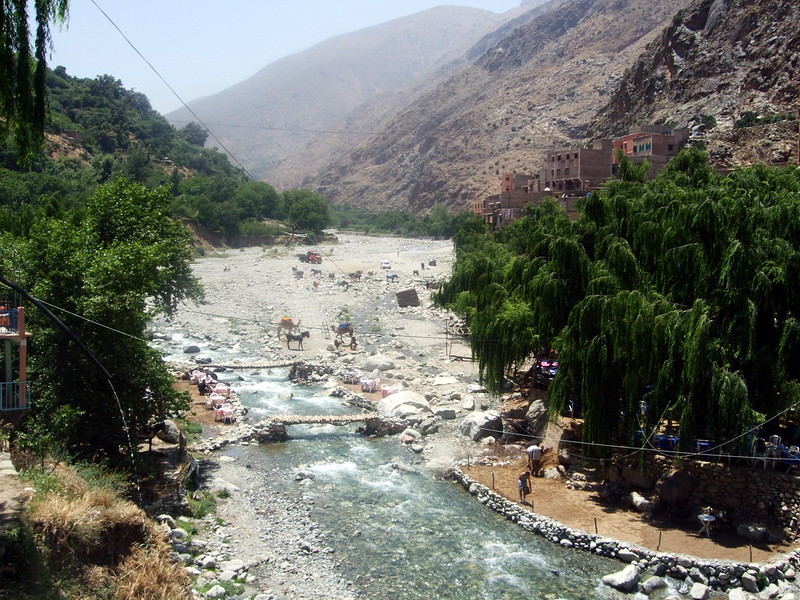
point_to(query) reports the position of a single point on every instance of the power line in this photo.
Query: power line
(292, 129)
(199, 120)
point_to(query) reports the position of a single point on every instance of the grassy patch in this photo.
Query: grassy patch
(201, 504)
(191, 429)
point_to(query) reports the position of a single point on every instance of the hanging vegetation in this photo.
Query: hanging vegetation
(677, 292)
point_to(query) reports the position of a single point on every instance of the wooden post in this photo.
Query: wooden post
(595, 524)
(751, 552)
(492, 480)
(658, 546)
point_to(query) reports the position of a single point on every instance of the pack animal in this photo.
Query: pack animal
(287, 325)
(342, 329)
(296, 337)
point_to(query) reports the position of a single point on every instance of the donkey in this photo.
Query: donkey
(296, 337)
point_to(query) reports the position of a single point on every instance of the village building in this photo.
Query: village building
(569, 174)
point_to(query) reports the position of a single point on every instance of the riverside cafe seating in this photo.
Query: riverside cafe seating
(771, 453)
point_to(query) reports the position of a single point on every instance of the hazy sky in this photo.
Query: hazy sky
(201, 47)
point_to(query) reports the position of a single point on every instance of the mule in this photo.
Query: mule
(296, 337)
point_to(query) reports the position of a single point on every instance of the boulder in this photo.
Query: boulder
(750, 583)
(404, 405)
(444, 379)
(220, 485)
(170, 434)
(640, 503)
(699, 591)
(537, 417)
(479, 424)
(216, 592)
(636, 478)
(652, 584)
(378, 362)
(753, 532)
(428, 426)
(676, 487)
(446, 414)
(191, 349)
(626, 580)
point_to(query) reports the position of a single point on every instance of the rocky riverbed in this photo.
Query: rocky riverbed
(269, 544)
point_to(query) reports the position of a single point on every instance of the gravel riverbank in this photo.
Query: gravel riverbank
(283, 553)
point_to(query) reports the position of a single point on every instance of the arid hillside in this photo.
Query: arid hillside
(538, 87)
(278, 110)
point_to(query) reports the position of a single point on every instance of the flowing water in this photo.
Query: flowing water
(400, 532)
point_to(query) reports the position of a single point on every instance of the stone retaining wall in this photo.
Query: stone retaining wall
(742, 491)
(716, 574)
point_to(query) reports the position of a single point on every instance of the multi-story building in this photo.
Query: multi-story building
(654, 143)
(575, 171)
(571, 173)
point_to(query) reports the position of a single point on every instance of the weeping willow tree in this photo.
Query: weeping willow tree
(677, 292)
(23, 70)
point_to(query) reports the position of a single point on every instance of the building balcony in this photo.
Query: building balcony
(9, 320)
(15, 395)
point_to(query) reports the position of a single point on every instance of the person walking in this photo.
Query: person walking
(524, 486)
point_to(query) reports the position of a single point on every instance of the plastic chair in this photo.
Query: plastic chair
(759, 453)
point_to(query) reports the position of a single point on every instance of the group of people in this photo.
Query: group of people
(535, 455)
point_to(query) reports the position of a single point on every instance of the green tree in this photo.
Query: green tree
(23, 70)
(194, 133)
(676, 292)
(306, 209)
(107, 272)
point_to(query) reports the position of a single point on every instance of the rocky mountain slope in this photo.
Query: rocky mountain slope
(721, 59)
(277, 111)
(581, 70)
(539, 87)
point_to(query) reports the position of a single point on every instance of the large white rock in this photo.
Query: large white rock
(378, 362)
(479, 424)
(404, 405)
(625, 580)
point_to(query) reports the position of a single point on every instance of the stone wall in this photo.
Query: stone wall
(716, 574)
(742, 491)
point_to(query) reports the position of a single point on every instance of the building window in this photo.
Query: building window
(669, 147)
(566, 172)
(558, 172)
(576, 155)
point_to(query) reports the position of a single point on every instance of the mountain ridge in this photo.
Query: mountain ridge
(276, 112)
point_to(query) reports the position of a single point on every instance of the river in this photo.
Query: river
(400, 532)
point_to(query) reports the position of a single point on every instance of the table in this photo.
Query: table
(705, 524)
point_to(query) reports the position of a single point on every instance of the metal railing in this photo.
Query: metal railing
(11, 397)
(9, 319)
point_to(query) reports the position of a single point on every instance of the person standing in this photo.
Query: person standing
(535, 459)
(524, 486)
